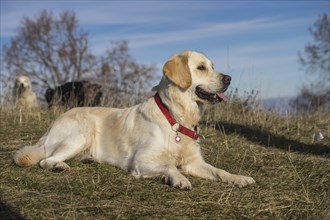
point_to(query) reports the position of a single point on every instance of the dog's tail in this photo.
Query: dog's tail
(30, 155)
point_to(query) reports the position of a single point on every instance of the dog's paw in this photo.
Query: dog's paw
(54, 166)
(182, 184)
(242, 181)
(61, 166)
(178, 182)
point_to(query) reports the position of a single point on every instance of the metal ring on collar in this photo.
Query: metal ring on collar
(175, 127)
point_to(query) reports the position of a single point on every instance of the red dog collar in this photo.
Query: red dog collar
(175, 125)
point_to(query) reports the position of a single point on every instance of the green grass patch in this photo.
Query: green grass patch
(291, 169)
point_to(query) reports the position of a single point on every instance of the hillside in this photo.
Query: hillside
(291, 169)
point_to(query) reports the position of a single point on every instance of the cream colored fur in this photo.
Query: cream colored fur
(23, 95)
(139, 139)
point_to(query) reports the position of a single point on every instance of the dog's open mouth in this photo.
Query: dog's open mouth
(213, 98)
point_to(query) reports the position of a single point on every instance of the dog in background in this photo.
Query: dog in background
(157, 138)
(23, 96)
(74, 94)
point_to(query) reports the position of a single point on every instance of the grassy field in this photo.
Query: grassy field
(291, 169)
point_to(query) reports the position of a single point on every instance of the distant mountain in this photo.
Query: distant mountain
(278, 105)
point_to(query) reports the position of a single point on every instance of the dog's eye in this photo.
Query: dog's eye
(201, 67)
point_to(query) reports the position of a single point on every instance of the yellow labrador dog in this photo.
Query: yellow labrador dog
(157, 138)
(23, 95)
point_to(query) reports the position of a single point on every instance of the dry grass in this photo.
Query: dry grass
(292, 173)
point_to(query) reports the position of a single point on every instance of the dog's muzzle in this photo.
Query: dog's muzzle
(214, 97)
(21, 88)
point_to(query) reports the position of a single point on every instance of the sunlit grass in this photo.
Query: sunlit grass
(291, 169)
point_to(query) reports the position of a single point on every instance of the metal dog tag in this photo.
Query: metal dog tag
(177, 138)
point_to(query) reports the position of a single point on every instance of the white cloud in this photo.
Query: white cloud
(96, 13)
(206, 30)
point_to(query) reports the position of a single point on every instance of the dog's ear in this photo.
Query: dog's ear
(177, 70)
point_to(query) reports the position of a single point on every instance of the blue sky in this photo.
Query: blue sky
(256, 42)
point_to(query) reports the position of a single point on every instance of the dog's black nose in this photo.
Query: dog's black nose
(226, 79)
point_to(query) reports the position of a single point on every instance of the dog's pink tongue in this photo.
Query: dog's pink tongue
(222, 96)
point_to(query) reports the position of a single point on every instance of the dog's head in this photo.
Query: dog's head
(193, 73)
(22, 84)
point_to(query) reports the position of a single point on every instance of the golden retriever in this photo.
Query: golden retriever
(157, 138)
(23, 96)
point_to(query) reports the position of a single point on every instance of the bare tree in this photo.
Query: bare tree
(49, 50)
(122, 76)
(316, 60)
(53, 51)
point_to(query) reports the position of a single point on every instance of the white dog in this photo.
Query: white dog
(157, 138)
(23, 95)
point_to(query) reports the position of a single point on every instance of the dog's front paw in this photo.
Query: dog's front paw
(242, 181)
(182, 184)
(178, 182)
